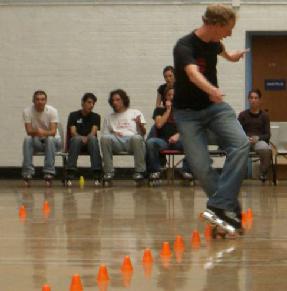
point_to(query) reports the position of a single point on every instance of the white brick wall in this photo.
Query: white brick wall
(69, 50)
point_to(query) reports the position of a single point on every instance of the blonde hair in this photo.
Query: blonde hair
(218, 14)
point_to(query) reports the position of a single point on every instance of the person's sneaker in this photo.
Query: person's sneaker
(48, 176)
(27, 180)
(98, 176)
(154, 176)
(187, 176)
(108, 176)
(138, 176)
(230, 221)
(262, 178)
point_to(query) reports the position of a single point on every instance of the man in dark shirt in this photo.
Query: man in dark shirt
(82, 130)
(256, 125)
(167, 137)
(199, 107)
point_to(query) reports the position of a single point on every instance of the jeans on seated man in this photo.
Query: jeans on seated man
(123, 130)
(41, 122)
(83, 126)
(167, 138)
(256, 125)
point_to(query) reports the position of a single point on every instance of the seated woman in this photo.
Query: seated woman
(167, 137)
(168, 75)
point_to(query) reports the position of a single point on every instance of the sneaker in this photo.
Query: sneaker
(108, 176)
(262, 178)
(48, 176)
(138, 176)
(230, 221)
(154, 176)
(27, 177)
(98, 177)
(187, 176)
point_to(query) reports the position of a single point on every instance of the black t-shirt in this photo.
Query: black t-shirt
(84, 123)
(169, 128)
(192, 50)
(257, 124)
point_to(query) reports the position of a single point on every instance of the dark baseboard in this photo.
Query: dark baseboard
(15, 173)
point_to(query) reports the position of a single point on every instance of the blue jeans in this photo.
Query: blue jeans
(153, 147)
(221, 120)
(92, 147)
(48, 146)
(112, 144)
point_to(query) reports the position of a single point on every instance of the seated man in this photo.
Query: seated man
(41, 122)
(83, 125)
(167, 138)
(256, 125)
(123, 130)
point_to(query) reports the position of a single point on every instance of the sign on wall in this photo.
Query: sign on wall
(275, 84)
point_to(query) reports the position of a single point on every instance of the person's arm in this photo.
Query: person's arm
(41, 132)
(233, 56)
(174, 138)
(266, 134)
(94, 130)
(161, 120)
(140, 126)
(194, 75)
(158, 100)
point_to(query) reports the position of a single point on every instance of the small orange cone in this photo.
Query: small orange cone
(127, 265)
(249, 214)
(195, 239)
(103, 274)
(165, 251)
(178, 243)
(22, 212)
(147, 257)
(76, 284)
(46, 208)
(46, 288)
(243, 219)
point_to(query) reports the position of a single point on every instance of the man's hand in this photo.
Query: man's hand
(174, 138)
(253, 139)
(237, 55)
(40, 132)
(216, 95)
(84, 139)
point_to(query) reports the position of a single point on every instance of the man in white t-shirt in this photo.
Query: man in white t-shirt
(41, 121)
(123, 130)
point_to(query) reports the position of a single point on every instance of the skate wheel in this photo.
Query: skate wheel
(27, 184)
(68, 183)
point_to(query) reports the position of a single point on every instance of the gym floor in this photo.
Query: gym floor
(61, 232)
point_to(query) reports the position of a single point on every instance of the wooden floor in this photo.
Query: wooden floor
(84, 228)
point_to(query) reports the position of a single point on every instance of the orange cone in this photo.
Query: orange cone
(127, 265)
(243, 219)
(195, 239)
(249, 214)
(147, 257)
(46, 208)
(103, 275)
(76, 284)
(46, 288)
(165, 251)
(178, 243)
(22, 212)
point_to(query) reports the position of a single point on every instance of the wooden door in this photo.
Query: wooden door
(269, 73)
